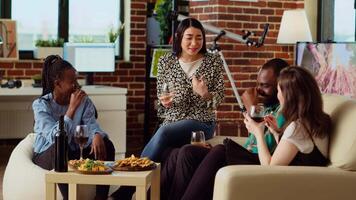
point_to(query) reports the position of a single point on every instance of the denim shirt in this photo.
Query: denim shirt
(47, 113)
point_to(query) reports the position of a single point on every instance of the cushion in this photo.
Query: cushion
(25, 180)
(22, 178)
(342, 150)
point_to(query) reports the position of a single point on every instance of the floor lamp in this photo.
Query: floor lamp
(294, 28)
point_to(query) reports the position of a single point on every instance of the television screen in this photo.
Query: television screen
(90, 57)
(332, 64)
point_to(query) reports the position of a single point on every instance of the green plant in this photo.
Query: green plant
(162, 10)
(84, 39)
(113, 34)
(37, 77)
(50, 43)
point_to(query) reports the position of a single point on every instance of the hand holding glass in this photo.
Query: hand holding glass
(81, 137)
(257, 113)
(198, 138)
(167, 93)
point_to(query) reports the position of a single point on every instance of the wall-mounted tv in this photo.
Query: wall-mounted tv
(332, 64)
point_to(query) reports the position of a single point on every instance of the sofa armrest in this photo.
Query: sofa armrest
(283, 182)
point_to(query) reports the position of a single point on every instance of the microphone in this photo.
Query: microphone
(262, 39)
(222, 33)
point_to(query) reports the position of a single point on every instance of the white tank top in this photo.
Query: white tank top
(190, 67)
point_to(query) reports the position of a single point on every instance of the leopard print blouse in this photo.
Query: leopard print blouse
(186, 104)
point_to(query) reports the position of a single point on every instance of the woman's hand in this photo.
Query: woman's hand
(271, 124)
(76, 99)
(257, 129)
(166, 100)
(98, 147)
(200, 87)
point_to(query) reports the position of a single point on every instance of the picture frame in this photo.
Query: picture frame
(332, 64)
(8, 40)
(157, 53)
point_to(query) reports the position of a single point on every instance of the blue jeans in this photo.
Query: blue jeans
(175, 134)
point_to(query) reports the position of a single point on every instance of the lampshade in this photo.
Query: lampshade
(294, 27)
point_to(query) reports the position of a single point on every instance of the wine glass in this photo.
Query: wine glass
(167, 93)
(81, 137)
(257, 113)
(198, 138)
(212, 104)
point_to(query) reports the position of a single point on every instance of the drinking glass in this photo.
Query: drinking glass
(198, 138)
(257, 113)
(81, 137)
(167, 93)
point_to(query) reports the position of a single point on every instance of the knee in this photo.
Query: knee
(160, 135)
(218, 149)
(186, 153)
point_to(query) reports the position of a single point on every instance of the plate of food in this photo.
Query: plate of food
(89, 166)
(134, 164)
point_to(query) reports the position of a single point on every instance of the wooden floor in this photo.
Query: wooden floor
(6, 148)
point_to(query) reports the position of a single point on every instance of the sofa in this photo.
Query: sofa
(336, 181)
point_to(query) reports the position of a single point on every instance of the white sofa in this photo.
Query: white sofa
(25, 180)
(337, 181)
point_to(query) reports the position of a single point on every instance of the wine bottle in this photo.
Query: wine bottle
(61, 148)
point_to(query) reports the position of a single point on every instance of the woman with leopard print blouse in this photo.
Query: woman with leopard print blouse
(198, 82)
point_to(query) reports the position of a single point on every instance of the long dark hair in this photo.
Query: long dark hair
(53, 69)
(303, 101)
(184, 25)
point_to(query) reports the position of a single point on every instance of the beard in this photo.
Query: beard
(269, 100)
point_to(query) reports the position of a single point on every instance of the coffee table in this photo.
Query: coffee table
(142, 180)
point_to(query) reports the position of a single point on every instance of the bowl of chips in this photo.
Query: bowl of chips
(133, 163)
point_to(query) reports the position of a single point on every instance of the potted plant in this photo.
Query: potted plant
(37, 80)
(162, 10)
(45, 48)
(114, 36)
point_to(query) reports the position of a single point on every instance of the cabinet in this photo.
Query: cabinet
(16, 115)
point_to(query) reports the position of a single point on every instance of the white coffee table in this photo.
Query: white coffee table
(142, 180)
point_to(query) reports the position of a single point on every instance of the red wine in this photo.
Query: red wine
(61, 148)
(257, 119)
(81, 140)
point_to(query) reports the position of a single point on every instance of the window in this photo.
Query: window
(94, 21)
(88, 20)
(344, 21)
(35, 20)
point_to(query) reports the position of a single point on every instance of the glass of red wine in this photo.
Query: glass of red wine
(81, 137)
(257, 113)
